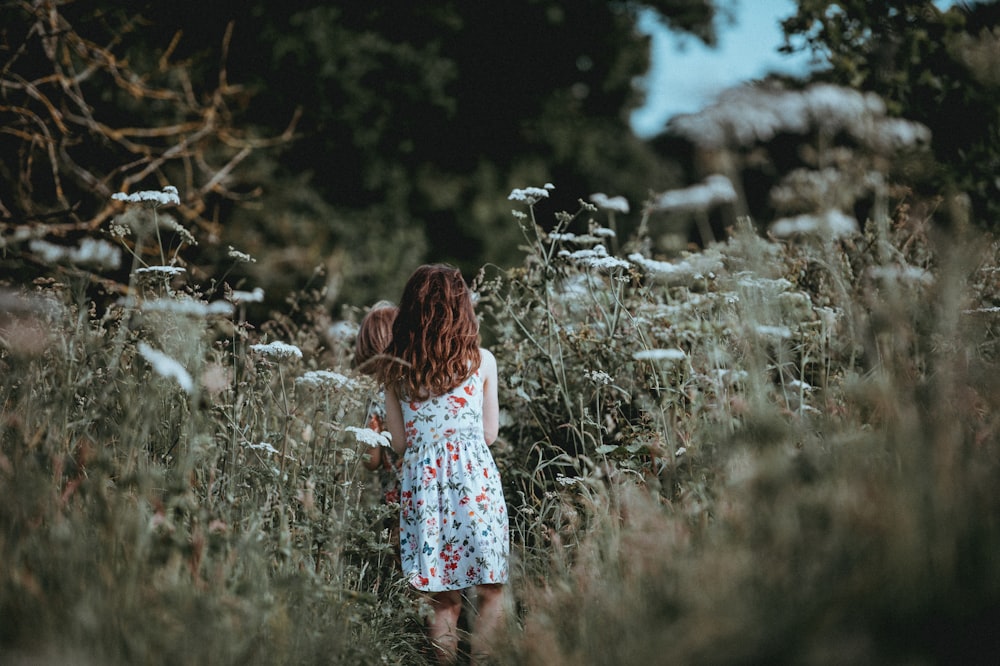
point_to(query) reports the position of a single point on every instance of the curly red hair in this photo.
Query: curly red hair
(435, 338)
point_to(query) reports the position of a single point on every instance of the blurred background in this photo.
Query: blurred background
(341, 144)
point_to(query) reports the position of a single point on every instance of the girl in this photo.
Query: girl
(374, 335)
(442, 411)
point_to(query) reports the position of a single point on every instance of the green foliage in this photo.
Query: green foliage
(777, 448)
(932, 66)
(180, 494)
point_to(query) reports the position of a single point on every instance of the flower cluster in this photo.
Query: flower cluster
(166, 197)
(611, 204)
(597, 257)
(531, 195)
(713, 191)
(90, 252)
(167, 367)
(370, 437)
(277, 349)
(318, 379)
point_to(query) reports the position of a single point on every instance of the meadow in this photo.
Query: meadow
(779, 446)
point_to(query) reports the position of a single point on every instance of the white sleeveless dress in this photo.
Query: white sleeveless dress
(453, 518)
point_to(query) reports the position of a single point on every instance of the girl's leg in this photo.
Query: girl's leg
(443, 629)
(491, 617)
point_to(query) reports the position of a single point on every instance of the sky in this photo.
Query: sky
(685, 75)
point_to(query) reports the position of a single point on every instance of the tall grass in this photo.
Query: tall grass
(771, 449)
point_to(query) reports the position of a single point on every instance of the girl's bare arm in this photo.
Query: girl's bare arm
(394, 419)
(491, 403)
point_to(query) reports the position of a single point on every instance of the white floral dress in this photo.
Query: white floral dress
(453, 517)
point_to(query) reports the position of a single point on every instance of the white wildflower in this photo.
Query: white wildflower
(167, 222)
(529, 195)
(730, 377)
(603, 232)
(519, 214)
(343, 330)
(681, 451)
(369, 437)
(119, 229)
(167, 367)
(598, 377)
(685, 271)
(905, 273)
(166, 197)
(240, 256)
(97, 253)
(318, 379)
(568, 480)
(781, 332)
(188, 306)
(613, 204)
(576, 239)
(753, 114)
(799, 385)
(171, 271)
(830, 224)
(255, 296)
(549, 186)
(659, 355)
(277, 349)
(748, 280)
(597, 257)
(714, 190)
(263, 446)
(90, 252)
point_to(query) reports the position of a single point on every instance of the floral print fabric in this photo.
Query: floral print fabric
(453, 517)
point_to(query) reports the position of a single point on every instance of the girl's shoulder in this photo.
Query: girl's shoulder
(487, 363)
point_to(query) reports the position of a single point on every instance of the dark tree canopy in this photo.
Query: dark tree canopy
(393, 132)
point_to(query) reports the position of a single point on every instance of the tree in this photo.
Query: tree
(394, 133)
(932, 66)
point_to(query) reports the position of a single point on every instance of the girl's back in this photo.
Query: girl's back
(456, 416)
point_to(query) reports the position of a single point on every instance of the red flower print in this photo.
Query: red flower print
(414, 405)
(469, 390)
(456, 403)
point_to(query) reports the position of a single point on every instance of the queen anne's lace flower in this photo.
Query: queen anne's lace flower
(369, 437)
(528, 195)
(166, 197)
(167, 367)
(612, 204)
(277, 349)
(714, 190)
(318, 379)
(659, 355)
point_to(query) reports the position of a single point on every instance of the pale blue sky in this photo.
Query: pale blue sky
(686, 75)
